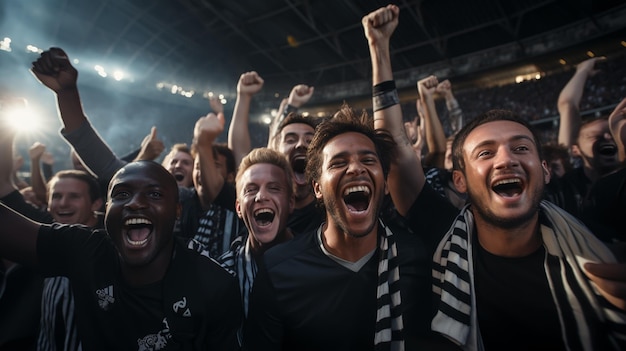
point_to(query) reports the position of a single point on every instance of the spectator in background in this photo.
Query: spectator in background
(179, 162)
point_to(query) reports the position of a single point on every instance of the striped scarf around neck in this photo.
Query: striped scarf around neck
(564, 238)
(389, 323)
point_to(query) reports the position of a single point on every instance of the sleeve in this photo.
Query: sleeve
(96, 154)
(63, 249)
(263, 330)
(431, 214)
(16, 201)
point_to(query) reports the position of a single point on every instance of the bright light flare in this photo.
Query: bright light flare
(118, 75)
(21, 118)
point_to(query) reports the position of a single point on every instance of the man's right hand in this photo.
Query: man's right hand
(54, 70)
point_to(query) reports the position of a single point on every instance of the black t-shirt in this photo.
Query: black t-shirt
(196, 304)
(607, 208)
(306, 219)
(304, 300)
(515, 307)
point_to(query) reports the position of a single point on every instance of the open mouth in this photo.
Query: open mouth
(65, 214)
(179, 176)
(298, 164)
(508, 187)
(264, 216)
(608, 150)
(138, 231)
(357, 198)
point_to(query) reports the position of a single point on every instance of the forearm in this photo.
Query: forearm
(96, 154)
(212, 180)
(37, 180)
(568, 105)
(70, 109)
(7, 184)
(435, 137)
(406, 177)
(239, 130)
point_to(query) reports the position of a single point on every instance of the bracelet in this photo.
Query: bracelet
(384, 95)
(385, 100)
(383, 87)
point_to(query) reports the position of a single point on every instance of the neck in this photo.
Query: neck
(257, 249)
(303, 198)
(148, 273)
(346, 246)
(509, 242)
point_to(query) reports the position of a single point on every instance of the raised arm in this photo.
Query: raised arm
(53, 69)
(18, 235)
(151, 146)
(206, 131)
(37, 180)
(249, 84)
(435, 137)
(7, 137)
(569, 101)
(454, 110)
(300, 94)
(406, 178)
(617, 124)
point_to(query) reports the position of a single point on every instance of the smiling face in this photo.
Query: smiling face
(141, 212)
(351, 183)
(596, 147)
(503, 175)
(180, 165)
(294, 141)
(69, 202)
(264, 202)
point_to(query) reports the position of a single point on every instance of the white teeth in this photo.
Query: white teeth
(507, 181)
(136, 243)
(355, 189)
(132, 221)
(263, 210)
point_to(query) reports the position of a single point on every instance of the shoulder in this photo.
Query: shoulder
(304, 244)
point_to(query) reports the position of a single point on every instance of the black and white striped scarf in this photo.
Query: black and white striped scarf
(389, 323)
(567, 242)
(239, 261)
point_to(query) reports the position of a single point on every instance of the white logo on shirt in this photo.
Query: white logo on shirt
(181, 305)
(105, 297)
(155, 342)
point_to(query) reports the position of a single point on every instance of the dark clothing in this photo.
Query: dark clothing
(195, 306)
(304, 300)
(20, 301)
(20, 289)
(503, 285)
(306, 219)
(607, 211)
(570, 192)
(217, 227)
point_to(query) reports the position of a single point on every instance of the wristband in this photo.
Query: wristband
(384, 95)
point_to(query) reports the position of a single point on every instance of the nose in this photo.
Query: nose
(302, 143)
(63, 201)
(505, 158)
(260, 195)
(136, 202)
(355, 167)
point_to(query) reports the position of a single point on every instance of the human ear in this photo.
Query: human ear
(458, 178)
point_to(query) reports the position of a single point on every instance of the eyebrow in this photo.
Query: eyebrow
(514, 138)
(360, 153)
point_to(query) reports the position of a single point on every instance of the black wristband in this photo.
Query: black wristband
(383, 87)
(385, 100)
